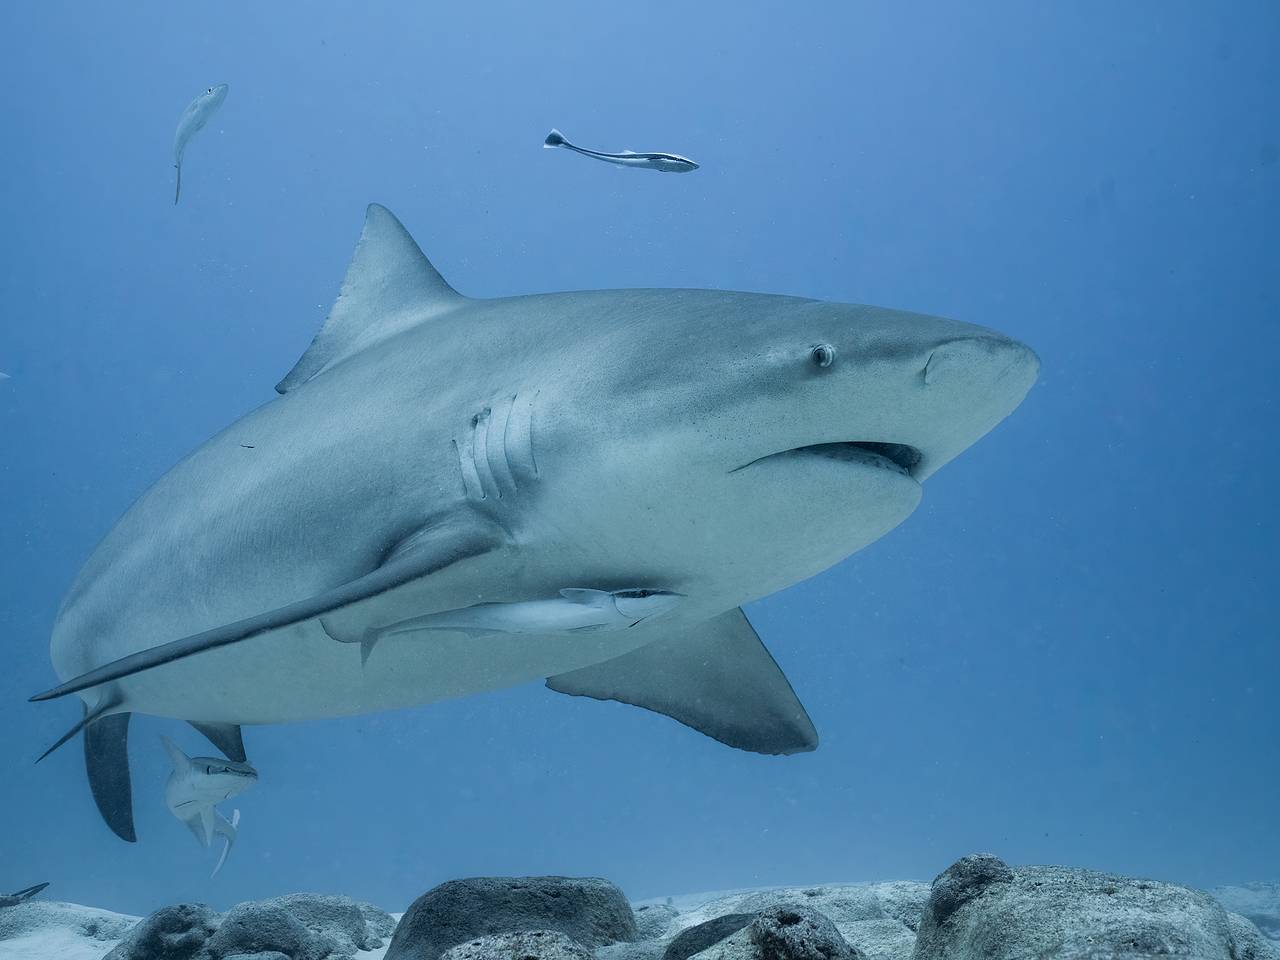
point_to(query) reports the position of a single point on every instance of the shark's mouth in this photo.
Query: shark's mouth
(896, 457)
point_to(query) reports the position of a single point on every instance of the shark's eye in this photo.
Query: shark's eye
(824, 354)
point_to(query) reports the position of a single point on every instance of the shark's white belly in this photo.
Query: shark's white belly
(306, 671)
(301, 673)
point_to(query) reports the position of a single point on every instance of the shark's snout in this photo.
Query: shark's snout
(970, 384)
(984, 360)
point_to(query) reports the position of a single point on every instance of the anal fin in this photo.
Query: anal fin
(106, 758)
(716, 677)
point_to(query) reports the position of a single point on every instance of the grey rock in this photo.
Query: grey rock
(967, 878)
(880, 939)
(980, 908)
(340, 918)
(794, 932)
(736, 947)
(265, 927)
(1259, 902)
(591, 911)
(380, 923)
(35, 916)
(784, 932)
(697, 938)
(654, 920)
(641, 950)
(1248, 941)
(880, 919)
(178, 932)
(526, 945)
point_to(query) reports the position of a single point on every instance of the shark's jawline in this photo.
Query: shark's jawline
(899, 457)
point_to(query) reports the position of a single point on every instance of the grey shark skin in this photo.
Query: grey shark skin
(431, 452)
(195, 785)
(192, 122)
(662, 162)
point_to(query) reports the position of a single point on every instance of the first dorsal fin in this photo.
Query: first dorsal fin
(389, 287)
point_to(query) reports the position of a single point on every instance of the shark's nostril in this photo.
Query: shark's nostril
(925, 373)
(976, 359)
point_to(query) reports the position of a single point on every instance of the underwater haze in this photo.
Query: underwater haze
(1068, 654)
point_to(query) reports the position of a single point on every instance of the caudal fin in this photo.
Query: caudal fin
(554, 139)
(177, 191)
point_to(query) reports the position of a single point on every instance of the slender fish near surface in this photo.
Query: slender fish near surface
(193, 120)
(662, 162)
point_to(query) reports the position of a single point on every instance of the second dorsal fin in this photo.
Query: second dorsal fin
(389, 287)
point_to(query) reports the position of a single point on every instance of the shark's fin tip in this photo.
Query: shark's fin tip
(390, 286)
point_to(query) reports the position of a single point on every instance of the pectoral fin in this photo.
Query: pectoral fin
(426, 552)
(716, 677)
(181, 762)
(202, 824)
(225, 736)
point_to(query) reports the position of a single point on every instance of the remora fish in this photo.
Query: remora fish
(193, 120)
(430, 452)
(575, 610)
(662, 162)
(196, 785)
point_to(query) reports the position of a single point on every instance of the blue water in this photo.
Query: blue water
(1068, 654)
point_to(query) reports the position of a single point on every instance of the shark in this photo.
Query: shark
(433, 453)
(662, 162)
(192, 122)
(195, 785)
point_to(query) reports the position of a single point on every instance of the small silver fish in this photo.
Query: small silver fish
(196, 784)
(662, 162)
(193, 120)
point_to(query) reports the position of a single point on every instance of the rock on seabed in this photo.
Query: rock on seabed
(590, 911)
(979, 907)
